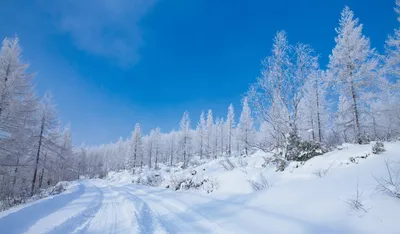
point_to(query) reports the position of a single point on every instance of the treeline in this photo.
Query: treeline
(35, 152)
(297, 107)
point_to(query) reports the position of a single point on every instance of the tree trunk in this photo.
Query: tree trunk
(156, 159)
(5, 84)
(312, 126)
(150, 156)
(355, 111)
(230, 140)
(135, 156)
(318, 116)
(184, 152)
(172, 152)
(42, 174)
(37, 156)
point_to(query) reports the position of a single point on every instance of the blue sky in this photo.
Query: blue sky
(112, 63)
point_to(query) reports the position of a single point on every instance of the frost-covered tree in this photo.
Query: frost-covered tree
(209, 141)
(201, 135)
(230, 125)
(47, 135)
(246, 128)
(135, 147)
(18, 106)
(392, 62)
(313, 113)
(185, 138)
(67, 167)
(157, 145)
(171, 147)
(344, 119)
(352, 67)
(277, 94)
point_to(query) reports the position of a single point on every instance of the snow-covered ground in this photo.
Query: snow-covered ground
(317, 197)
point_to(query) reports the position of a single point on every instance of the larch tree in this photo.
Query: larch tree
(185, 138)
(47, 135)
(392, 46)
(209, 133)
(246, 128)
(230, 125)
(135, 147)
(313, 107)
(201, 131)
(352, 67)
(157, 146)
(277, 94)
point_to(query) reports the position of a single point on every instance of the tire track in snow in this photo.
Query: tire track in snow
(148, 221)
(78, 223)
(183, 214)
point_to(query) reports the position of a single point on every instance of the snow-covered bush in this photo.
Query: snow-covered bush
(259, 184)
(277, 160)
(227, 164)
(291, 148)
(57, 189)
(153, 179)
(299, 150)
(309, 149)
(356, 159)
(192, 181)
(378, 148)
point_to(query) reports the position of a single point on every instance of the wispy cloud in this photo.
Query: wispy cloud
(108, 28)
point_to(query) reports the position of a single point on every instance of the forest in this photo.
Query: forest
(295, 109)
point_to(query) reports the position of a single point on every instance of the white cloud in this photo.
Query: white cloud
(108, 28)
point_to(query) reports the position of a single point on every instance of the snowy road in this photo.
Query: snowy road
(101, 206)
(96, 206)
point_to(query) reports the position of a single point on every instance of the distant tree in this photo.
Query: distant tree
(135, 147)
(246, 129)
(201, 135)
(185, 138)
(157, 146)
(230, 122)
(210, 123)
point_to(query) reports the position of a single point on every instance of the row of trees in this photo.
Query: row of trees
(35, 152)
(210, 139)
(356, 99)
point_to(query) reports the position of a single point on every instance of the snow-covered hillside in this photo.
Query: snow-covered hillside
(319, 196)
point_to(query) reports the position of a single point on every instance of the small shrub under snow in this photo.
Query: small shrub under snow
(356, 159)
(227, 164)
(378, 148)
(298, 150)
(260, 184)
(192, 181)
(153, 179)
(277, 160)
(356, 202)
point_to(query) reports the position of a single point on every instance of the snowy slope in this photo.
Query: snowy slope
(296, 201)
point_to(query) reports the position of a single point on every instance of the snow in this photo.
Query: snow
(297, 200)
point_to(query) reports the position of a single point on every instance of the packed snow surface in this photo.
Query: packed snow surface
(314, 197)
